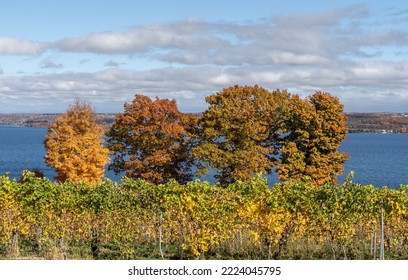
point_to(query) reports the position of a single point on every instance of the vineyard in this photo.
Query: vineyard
(137, 220)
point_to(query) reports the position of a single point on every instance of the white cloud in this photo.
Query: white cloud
(178, 35)
(294, 39)
(110, 88)
(48, 63)
(292, 58)
(84, 61)
(14, 46)
(112, 63)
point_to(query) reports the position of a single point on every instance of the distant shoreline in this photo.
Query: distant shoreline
(381, 123)
(44, 120)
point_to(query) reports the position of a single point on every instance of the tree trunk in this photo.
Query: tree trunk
(14, 250)
(94, 243)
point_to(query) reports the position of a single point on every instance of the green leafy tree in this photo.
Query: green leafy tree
(149, 141)
(237, 134)
(314, 129)
(74, 145)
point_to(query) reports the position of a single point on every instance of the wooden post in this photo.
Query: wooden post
(160, 233)
(375, 245)
(382, 232)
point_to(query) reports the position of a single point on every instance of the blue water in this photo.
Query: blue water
(22, 148)
(378, 159)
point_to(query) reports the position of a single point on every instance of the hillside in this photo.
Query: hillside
(356, 122)
(43, 120)
(377, 122)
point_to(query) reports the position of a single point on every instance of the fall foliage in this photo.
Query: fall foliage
(238, 132)
(314, 129)
(74, 145)
(245, 129)
(149, 141)
(134, 220)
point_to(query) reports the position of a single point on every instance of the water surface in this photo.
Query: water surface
(378, 159)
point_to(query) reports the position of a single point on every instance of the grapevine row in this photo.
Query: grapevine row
(197, 220)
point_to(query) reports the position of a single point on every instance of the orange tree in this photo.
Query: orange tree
(74, 145)
(149, 141)
(237, 134)
(314, 129)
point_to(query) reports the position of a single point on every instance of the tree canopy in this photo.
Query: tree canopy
(314, 129)
(238, 133)
(248, 130)
(245, 130)
(148, 141)
(74, 145)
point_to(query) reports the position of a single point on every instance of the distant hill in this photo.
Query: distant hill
(44, 120)
(356, 122)
(377, 122)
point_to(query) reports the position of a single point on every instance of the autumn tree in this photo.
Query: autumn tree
(314, 129)
(149, 141)
(238, 132)
(74, 145)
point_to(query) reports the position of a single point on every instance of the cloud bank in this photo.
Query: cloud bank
(345, 51)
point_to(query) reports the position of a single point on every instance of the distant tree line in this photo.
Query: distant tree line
(245, 130)
(377, 122)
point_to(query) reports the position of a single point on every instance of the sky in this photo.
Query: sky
(52, 52)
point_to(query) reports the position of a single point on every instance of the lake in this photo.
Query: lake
(378, 159)
(22, 148)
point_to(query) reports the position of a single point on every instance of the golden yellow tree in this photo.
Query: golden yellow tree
(238, 133)
(314, 130)
(74, 145)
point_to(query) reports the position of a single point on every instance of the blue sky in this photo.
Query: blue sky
(107, 51)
